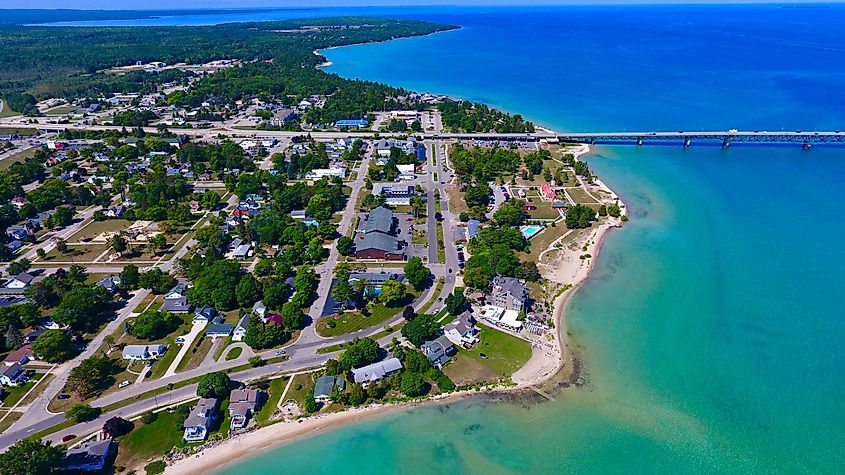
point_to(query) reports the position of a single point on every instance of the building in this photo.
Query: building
(20, 281)
(88, 457)
(438, 351)
(178, 305)
(219, 329)
(143, 352)
(13, 375)
(282, 117)
(508, 293)
(242, 404)
(204, 314)
(379, 246)
(110, 283)
(200, 419)
(406, 172)
(21, 356)
(258, 308)
(325, 385)
(318, 173)
(462, 330)
(240, 329)
(376, 279)
(473, 228)
(398, 195)
(380, 220)
(376, 371)
(352, 123)
(177, 291)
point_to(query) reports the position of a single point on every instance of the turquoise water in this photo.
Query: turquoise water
(530, 231)
(711, 331)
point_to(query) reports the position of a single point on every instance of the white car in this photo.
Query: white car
(123, 384)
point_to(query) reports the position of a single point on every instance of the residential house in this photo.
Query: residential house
(473, 228)
(508, 293)
(258, 308)
(204, 314)
(243, 251)
(462, 330)
(19, 202)
(242, 404)
(110, 283)
(297, 214)
(143, 352)
(17, 231)
(177, 305)
(438, 351)
(33, 334)
(282, 117)
(21, 356)
(239, 332)
(376, 279)
(115, 211)
(218, 328)
(88, 457)
(325, 385)
(14, 245)
(20, 281)
(13, 375)
(376, 371)
(177, 291)
(200, 419)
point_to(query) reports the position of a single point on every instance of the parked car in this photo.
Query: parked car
(123, 384)
(180, 339)
(281, 353)
(64, 396)
(483, 355)
(68, 437)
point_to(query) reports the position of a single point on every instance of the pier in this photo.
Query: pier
(725, 138)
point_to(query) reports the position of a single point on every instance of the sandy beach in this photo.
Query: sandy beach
(559, 264)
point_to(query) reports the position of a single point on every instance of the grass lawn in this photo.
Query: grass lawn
(95, 228)
(580, 196)
(299, 388)
(234, 353)
(9, 420)
(195, 356)
(277, 386)
(15, 393)
(350, 322)
(505, 353)
(16, 158)
(6, 110)
(387, 331)
(45, 381)
(544, 210)
(148, 440)
(78, 254)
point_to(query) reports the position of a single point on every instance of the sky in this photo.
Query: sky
(204, 4)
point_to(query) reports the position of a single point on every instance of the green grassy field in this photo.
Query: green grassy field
(234, 353)
(353, 321)
(15, 393)
(277, 386)
(17, 158)
(505, 353)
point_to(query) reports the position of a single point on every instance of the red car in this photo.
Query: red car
(68, 437)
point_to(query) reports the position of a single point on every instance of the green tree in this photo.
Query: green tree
(210, 200)
(154, 324)
(130, 277)
(342, 290)
(392, 292)
(345, 246)
(156, 280)
(413, 384)
(360, 352)
(357, 395)
(580, 216)
(54, 346)
(421, 329)
(92, 376)
(456, 302)
(83, 413)
(18, 266)
(248, 291)
(118, 243)
(214, 385)
(32, 457)
(81, 307)
(292, 316)
(310, 403)
(417, 274)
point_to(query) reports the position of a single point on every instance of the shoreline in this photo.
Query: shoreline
(541, 368)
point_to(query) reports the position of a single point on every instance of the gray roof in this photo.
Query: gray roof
(142, 351)
(463, 324)
(510, 285)
(380, 220)
(86, 455)
(473, 227)
(323, 386)
(219, 329)
(376, 278)
(201, 412)
(377, 241)
(437, 351)
(376, 371)
(206, 311)
(176, 305)
(242, 401)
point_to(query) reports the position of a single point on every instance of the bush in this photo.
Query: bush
(256, 361)
(149, 417)
(445, 384)
(82, 413)
(155, 468)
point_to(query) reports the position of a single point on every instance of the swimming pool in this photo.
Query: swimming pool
(530, 231)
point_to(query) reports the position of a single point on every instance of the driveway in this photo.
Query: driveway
(196, 329)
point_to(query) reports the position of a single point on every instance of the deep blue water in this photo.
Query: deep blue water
(712, 328)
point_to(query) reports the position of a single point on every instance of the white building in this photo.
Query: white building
(318, 173)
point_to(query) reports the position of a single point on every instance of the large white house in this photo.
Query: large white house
(143, 352)
(200, 420)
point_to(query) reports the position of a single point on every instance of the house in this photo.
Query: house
(324, 386)
(204, 314)
(406, 172)
(318, 173)
(20, 281)
(200, 419)
(19, 202)
(380, 220)
(379, 246)
(115, 211)
(14, 245)
(376, 371)
(258, 308)
(242, 404)
(508, 293)
(177, 291)
(398, 195)
(473, 228)
(33, 335)
(13, 375)
(240, 329)
(219, 329)
(177, 305)
(242, 252)
(351, 123)
(438, 351)
(16, 231)
(558, 204)
(143, 352)
(297, 214)
(375, 279)
(462, 330)
(88, 457)
(21, 356)
(110, 283)
(548, 192)
(282, 117)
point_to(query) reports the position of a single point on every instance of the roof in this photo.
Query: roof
(376, 278)
(220, 329)
(514, 287)
(12, 371)
(376, 371)
(92, 453)
(177, 304)
(24, 277)
(463, 324)
(325, 383)
(206, 311)
(201, 412)
(473, 227)
(377, 241)
(242, 401)
(244, 321)
(380, 220)
(437, 351)
(23, 352)
(358, 122)
(142, 351)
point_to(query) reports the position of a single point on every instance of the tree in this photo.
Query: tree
(357, 395)
(83, 413)
(63, 216)
(360, 352)
(61, 246)
(421, 329)
(275, 294)
(248, 291)
(118, 243)
(130, 277)
(214, 385)
(80, 307)
(409, 314)
(156, 280)
(417, 274)
(292, 316)
(333, 367)
(510, 213)
(92, 376)
(412, 384)
(154, 324)
(579, 216)
(210, 200)
(32, 457)
(117, 426)
(18, 266)
(456, 302)
(157, 243)
(310, 403)
(54, 346)
(14, 338)
(260, 335)
(392, 292)
(345, 246)
(342, 290)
